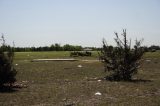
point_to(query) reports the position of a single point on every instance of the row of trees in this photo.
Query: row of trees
(67, 47)
(152, 48)
(53, 47)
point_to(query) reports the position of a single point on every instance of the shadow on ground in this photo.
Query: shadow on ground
(132, 80)
(9, 89)
(140, 80)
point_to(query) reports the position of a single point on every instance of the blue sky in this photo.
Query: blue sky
(78, 22)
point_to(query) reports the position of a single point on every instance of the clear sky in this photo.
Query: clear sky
(78, 22)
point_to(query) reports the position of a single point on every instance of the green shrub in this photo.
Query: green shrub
(7, 71)
(122, 61)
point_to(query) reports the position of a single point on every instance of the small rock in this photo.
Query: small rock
(66, 80)
(148, 60)
(79, 66)
(16, 64)
(25, 81)
(64, 99)
(99, 80)
(137, 89)
(95, 78)
(98, 94)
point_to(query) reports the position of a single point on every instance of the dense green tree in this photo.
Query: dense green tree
(153, 48)
(7, 71)
(121, 61)
(57, 47)
(68, 47)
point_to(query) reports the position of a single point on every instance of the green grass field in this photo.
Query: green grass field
(63, 83)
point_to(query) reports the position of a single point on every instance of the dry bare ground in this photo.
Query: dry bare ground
(63, 83)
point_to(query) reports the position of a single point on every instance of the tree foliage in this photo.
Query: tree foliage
(53, 47)
(121, 61)
(7, 71)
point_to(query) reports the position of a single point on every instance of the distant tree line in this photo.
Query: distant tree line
(152, 48)
(53, 47)
(68, 47)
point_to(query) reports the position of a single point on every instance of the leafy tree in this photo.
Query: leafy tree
(68, 47)
(122, 61)
(57, 47)
(52, 47)
(153, 48)
(7, 71)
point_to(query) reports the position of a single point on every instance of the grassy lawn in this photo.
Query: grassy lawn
(63, 83)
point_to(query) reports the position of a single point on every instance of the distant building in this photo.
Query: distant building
(87, 49)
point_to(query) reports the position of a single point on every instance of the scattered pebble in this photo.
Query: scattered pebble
(99, 80)
(148, 60)
(95, 78)
(98, 94)
(25, 81)
(16, 64)
(137, 89)
(79, 66)
(66, 80)
(64, 99)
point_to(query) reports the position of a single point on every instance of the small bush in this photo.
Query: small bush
(7, 71)
(121, 61)
(80, 53)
